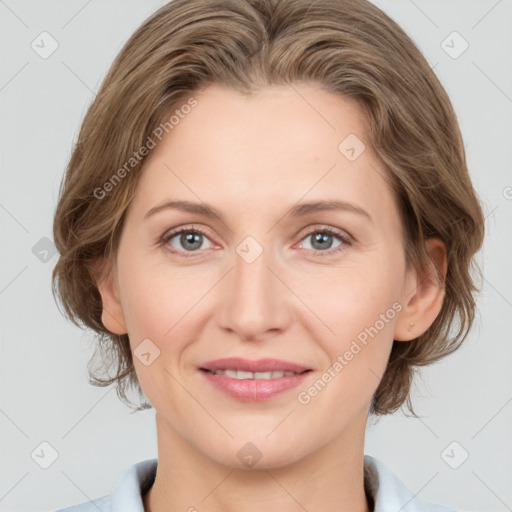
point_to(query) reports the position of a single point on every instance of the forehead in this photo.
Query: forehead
(274, 147)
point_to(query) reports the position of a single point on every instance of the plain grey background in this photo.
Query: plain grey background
(464, 401)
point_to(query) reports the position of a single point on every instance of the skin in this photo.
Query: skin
(253, 158)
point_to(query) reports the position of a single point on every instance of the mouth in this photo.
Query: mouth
(253, 381)
(245, 367)
(243, 375)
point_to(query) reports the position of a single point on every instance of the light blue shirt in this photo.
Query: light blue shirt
(389, 493)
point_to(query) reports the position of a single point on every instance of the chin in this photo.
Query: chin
(257, 453)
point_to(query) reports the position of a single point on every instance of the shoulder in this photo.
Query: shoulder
(104, 504)
(390, 494)
(126, 496)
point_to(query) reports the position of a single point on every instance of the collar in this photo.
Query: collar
(388, 492)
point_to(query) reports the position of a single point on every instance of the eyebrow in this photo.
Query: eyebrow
(298, 210)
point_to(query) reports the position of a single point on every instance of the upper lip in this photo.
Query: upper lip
(248, 365)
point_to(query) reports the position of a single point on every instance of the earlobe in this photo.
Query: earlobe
(112, 313)
(423, 295)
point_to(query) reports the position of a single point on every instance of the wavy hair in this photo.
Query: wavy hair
(353, 49)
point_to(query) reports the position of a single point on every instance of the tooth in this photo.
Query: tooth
(240, 374)
(263, 375)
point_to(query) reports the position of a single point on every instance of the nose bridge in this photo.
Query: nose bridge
(255, 298)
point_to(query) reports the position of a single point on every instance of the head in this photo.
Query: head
(251, 108)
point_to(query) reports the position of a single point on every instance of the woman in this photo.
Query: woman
(313, 161)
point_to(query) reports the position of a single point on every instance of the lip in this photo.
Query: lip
(248, 365)
(254, 390)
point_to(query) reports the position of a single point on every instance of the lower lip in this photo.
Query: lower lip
(254, 390)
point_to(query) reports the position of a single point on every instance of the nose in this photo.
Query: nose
(255, 302)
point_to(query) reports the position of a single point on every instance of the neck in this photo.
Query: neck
(330, 479)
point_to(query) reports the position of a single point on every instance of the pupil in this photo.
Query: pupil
(321, 237)
(192, 238)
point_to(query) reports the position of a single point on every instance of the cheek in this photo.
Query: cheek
(358, 309)
(349, 299)
(145, 311)
(154, 296)
(357, 353)
(165, 306)
(158, 325)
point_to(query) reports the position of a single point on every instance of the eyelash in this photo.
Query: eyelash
(324, 230)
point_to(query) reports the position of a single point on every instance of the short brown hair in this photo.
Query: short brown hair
(350, 47)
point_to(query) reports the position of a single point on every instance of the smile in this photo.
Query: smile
(250, 380)
(242, 375)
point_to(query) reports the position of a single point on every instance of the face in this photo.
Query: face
(265, 277)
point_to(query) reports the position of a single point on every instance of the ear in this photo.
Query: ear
(423, 295)
(112, 313)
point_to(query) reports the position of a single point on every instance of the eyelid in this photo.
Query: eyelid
(314, 228)
(171, 233)
(346, 239)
